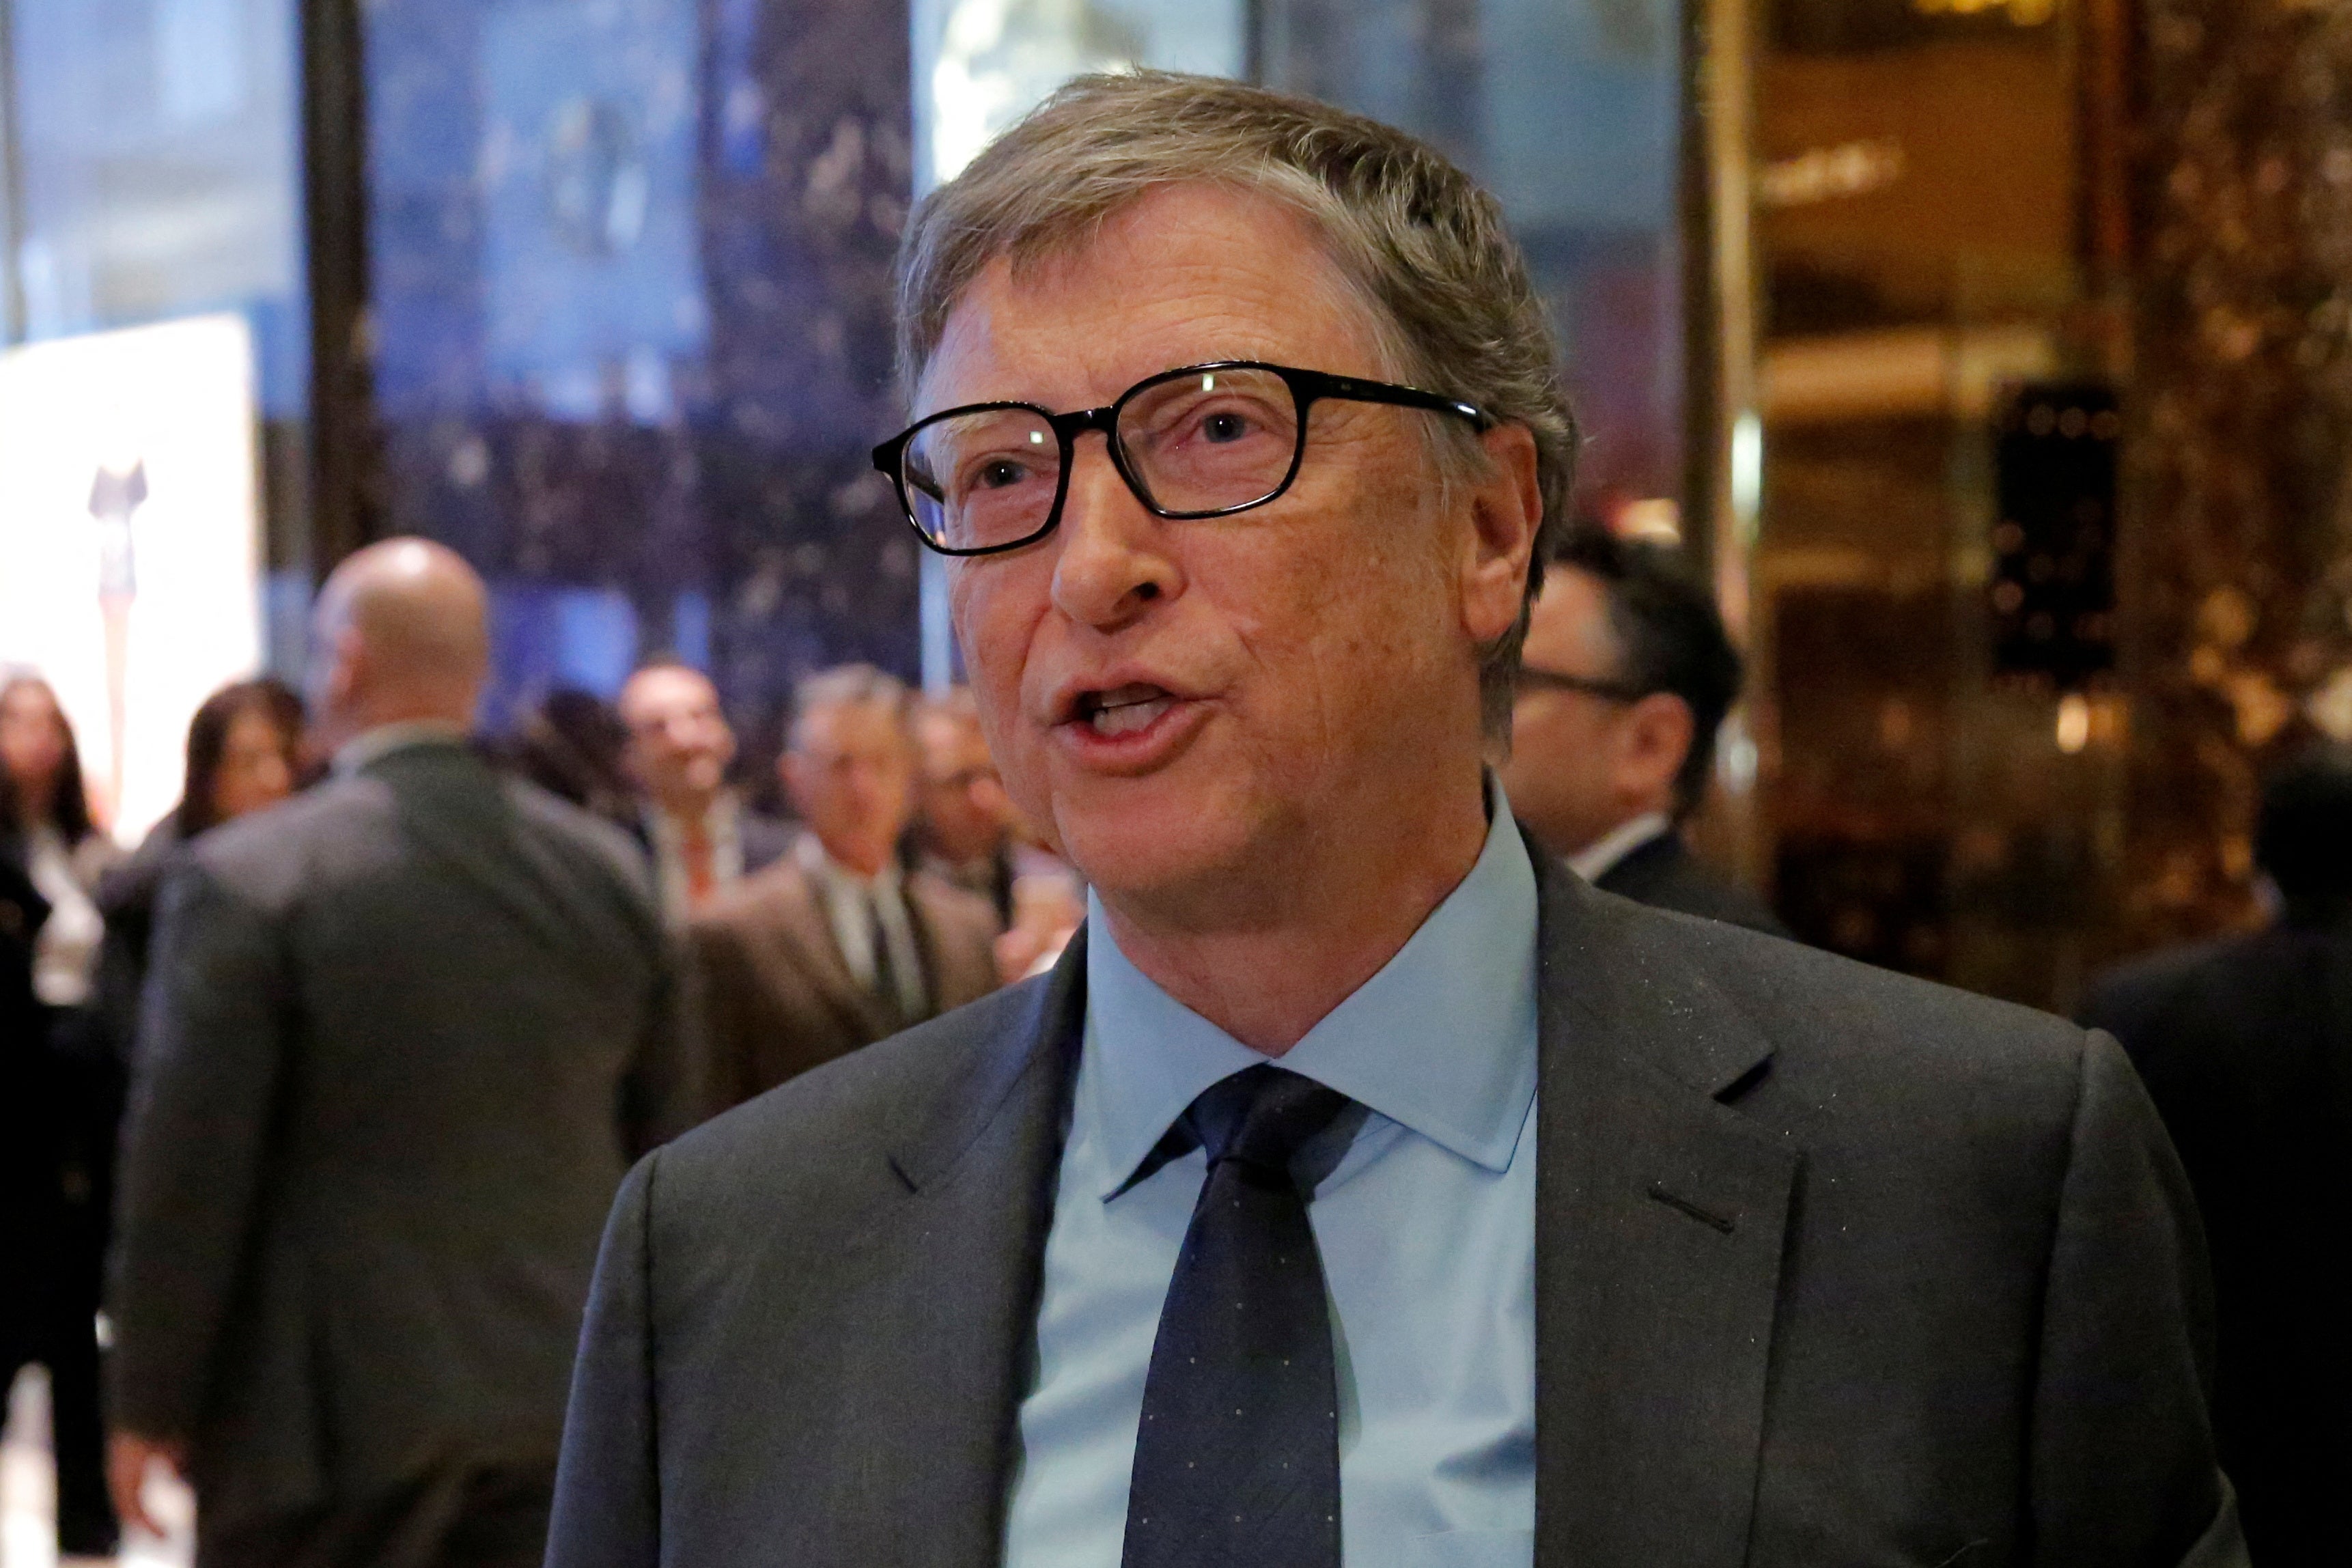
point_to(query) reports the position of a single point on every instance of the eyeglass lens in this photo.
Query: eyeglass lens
(1196, 444)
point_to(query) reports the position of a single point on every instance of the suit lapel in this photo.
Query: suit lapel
(940, 1310)
(801, 917)
(951, 978)
(1661, 1219)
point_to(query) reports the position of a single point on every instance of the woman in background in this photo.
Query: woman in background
(58, 1165)
(245, 754)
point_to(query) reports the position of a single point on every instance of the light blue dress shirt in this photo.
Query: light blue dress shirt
(1426, 1228)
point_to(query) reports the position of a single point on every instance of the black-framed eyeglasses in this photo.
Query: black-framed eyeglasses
(1201, 441)
(1528, 679)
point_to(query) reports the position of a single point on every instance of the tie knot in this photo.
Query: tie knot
(1263, 1116)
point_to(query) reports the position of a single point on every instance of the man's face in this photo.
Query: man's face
(1582, 764)
(851, 775)
(1266, 677)
(680, 742)
(965, 813)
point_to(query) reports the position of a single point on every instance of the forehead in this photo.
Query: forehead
(1192, 273)
(27, 697)
(667, 689)
(252, 723)
(849, 726)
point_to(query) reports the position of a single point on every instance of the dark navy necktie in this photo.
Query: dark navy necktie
(1237, 1457)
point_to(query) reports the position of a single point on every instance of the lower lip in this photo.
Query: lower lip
(1135, 751)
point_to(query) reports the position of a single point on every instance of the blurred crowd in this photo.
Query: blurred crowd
(877, 875)
(366, 1030)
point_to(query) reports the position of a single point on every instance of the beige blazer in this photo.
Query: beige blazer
(776, 995)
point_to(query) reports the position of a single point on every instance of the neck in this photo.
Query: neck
(1318, 926)
(380, 711)
(858, 857)
(688, 808)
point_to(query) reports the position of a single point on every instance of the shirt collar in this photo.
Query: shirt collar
(719, 819)
(811, 851)
(366, 749)
(1600, 858)
(1442, 1039)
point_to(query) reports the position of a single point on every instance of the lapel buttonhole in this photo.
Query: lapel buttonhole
(1707, 1217)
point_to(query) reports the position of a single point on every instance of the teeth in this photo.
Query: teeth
(1125, 718)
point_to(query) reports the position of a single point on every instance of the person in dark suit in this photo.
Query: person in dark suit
(1625, 680)
(244, 755)
(31, 1219)
(836, 944)
(2246, 1045)
(67, 1091)
(1363, 1187)
(404, 1035)
(700, 837)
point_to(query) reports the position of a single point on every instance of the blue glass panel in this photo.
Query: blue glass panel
(1569, 111)
(631, 263)
(159, 150)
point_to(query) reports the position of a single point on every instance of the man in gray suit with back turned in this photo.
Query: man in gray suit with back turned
(405, 1034)
(1362, 1188)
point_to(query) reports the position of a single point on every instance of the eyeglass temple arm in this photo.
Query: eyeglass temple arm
(1354, 391)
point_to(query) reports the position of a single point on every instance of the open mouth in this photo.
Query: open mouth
(1123, 710)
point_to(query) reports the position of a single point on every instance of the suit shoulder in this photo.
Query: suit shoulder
(848, 1111)
(754, 900)
(1856, 1020)
(580, 829)
(269, 858)
(2128, 992)
(961, 905)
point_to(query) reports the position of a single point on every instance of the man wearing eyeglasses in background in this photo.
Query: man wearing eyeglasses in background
(1624, 681)
(1360, 1189)
(963, 823)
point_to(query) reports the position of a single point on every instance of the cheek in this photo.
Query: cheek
(997, 608)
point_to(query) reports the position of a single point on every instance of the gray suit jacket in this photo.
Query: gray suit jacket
(403, 1036)
(1833, 1267)
(777, 998)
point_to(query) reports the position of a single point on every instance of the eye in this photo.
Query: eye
(1224, 425)
(998, 473)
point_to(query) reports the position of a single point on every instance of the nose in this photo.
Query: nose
(1113, 562)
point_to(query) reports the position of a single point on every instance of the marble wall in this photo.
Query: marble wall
(631, 275)
(2239, 583)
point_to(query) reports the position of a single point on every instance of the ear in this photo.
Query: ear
(1658, 733)
(793, 773)
(1505, 510)
(347, 675)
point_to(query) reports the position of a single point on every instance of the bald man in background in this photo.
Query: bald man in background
(403, 1036)
(698, 835)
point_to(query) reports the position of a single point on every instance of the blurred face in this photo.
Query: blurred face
(32, 742)
(1581, 763)
(965, 813)
(257, 767)
(680, 741)
(1192, 705)
(851, 776)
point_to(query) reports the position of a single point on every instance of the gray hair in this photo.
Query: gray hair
(1421, 243)
(846, 686)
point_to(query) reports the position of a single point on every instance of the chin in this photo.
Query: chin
(1139, 845)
